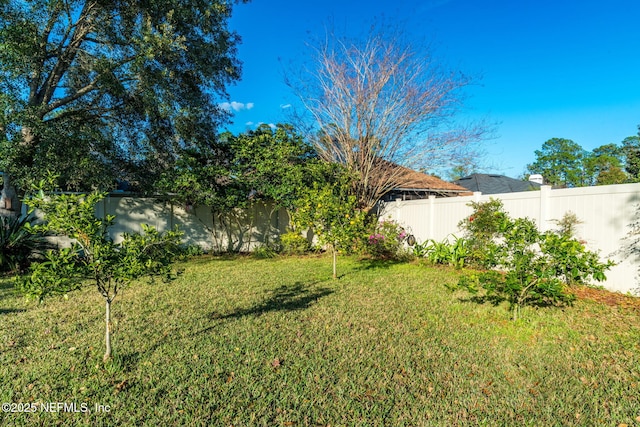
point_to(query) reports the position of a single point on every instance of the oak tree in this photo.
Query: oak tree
(97, 90)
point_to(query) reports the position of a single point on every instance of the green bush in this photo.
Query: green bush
(481, 228)
(528, 275)
(264, 251)
(189, 251)
(535, 267)
(574, 264)
(448, 253)
(420, 250)
(19, 243)
(294, 243)
(386, 240)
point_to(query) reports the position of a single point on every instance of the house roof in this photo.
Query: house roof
(415, 181)
(495, 184)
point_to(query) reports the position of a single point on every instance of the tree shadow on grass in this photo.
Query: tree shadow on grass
(11, 310)
(494, 300)
(298, 296)
(6, 283)
(285, 298)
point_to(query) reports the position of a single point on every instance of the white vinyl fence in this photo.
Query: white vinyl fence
(239, 230)
(606, 212)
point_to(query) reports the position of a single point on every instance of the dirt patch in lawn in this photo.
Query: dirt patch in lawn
(607, 297)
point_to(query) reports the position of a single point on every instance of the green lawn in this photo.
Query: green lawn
(247, 342)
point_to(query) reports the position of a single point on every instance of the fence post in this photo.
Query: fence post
(545, 193)
(398, 212)
(432, 210)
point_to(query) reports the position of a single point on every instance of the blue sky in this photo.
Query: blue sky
(544, 69)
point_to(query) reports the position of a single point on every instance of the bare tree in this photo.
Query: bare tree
(381, 103)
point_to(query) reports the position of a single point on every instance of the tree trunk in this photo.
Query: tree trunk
(335, 259)
(107, 335)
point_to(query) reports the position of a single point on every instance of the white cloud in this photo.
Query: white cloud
(283, 106)
(271, 125)
(236, 106)
(249, 124)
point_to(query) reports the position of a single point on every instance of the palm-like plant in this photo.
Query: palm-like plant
(19, 243)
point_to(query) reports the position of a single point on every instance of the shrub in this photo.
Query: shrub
(264, 251)
(385, 240)
(536, 268)
(574, 264)
(529, 275)
(481, 228)
(294, 243)
(420, 250)
(19, 243)
(448, 253)
(189, 251)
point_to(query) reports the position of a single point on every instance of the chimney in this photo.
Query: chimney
(537, 178)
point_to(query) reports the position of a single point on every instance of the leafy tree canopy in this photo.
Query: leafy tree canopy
(565, 163)
(96, 90)
(631, 149)
(269, 164)
(560, 162)
(603, 165)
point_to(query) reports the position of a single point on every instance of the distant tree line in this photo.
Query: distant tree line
(564, 163)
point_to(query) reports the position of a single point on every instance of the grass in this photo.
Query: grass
(276, 342)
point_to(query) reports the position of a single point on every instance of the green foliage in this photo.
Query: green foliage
(603, 166)
(560, 163)
(446, 252)
(53, 275)
(275, 166)
(93, 256)
(262, 164)
(574, 264)
(529, 276)
(420, 250)
(189, 251)
(332, 213)
(564, 163)
(386, 241)
(19, 243)
(536, 268)
(110, 90)
(481, 228)
(272, 164)
(265, 251)
(293, 243)
(631, 150)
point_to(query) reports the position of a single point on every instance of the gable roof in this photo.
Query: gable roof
(417, 185)
(418, 181)
(495, 184)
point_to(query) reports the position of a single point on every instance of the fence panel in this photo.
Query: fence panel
(606, 212)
